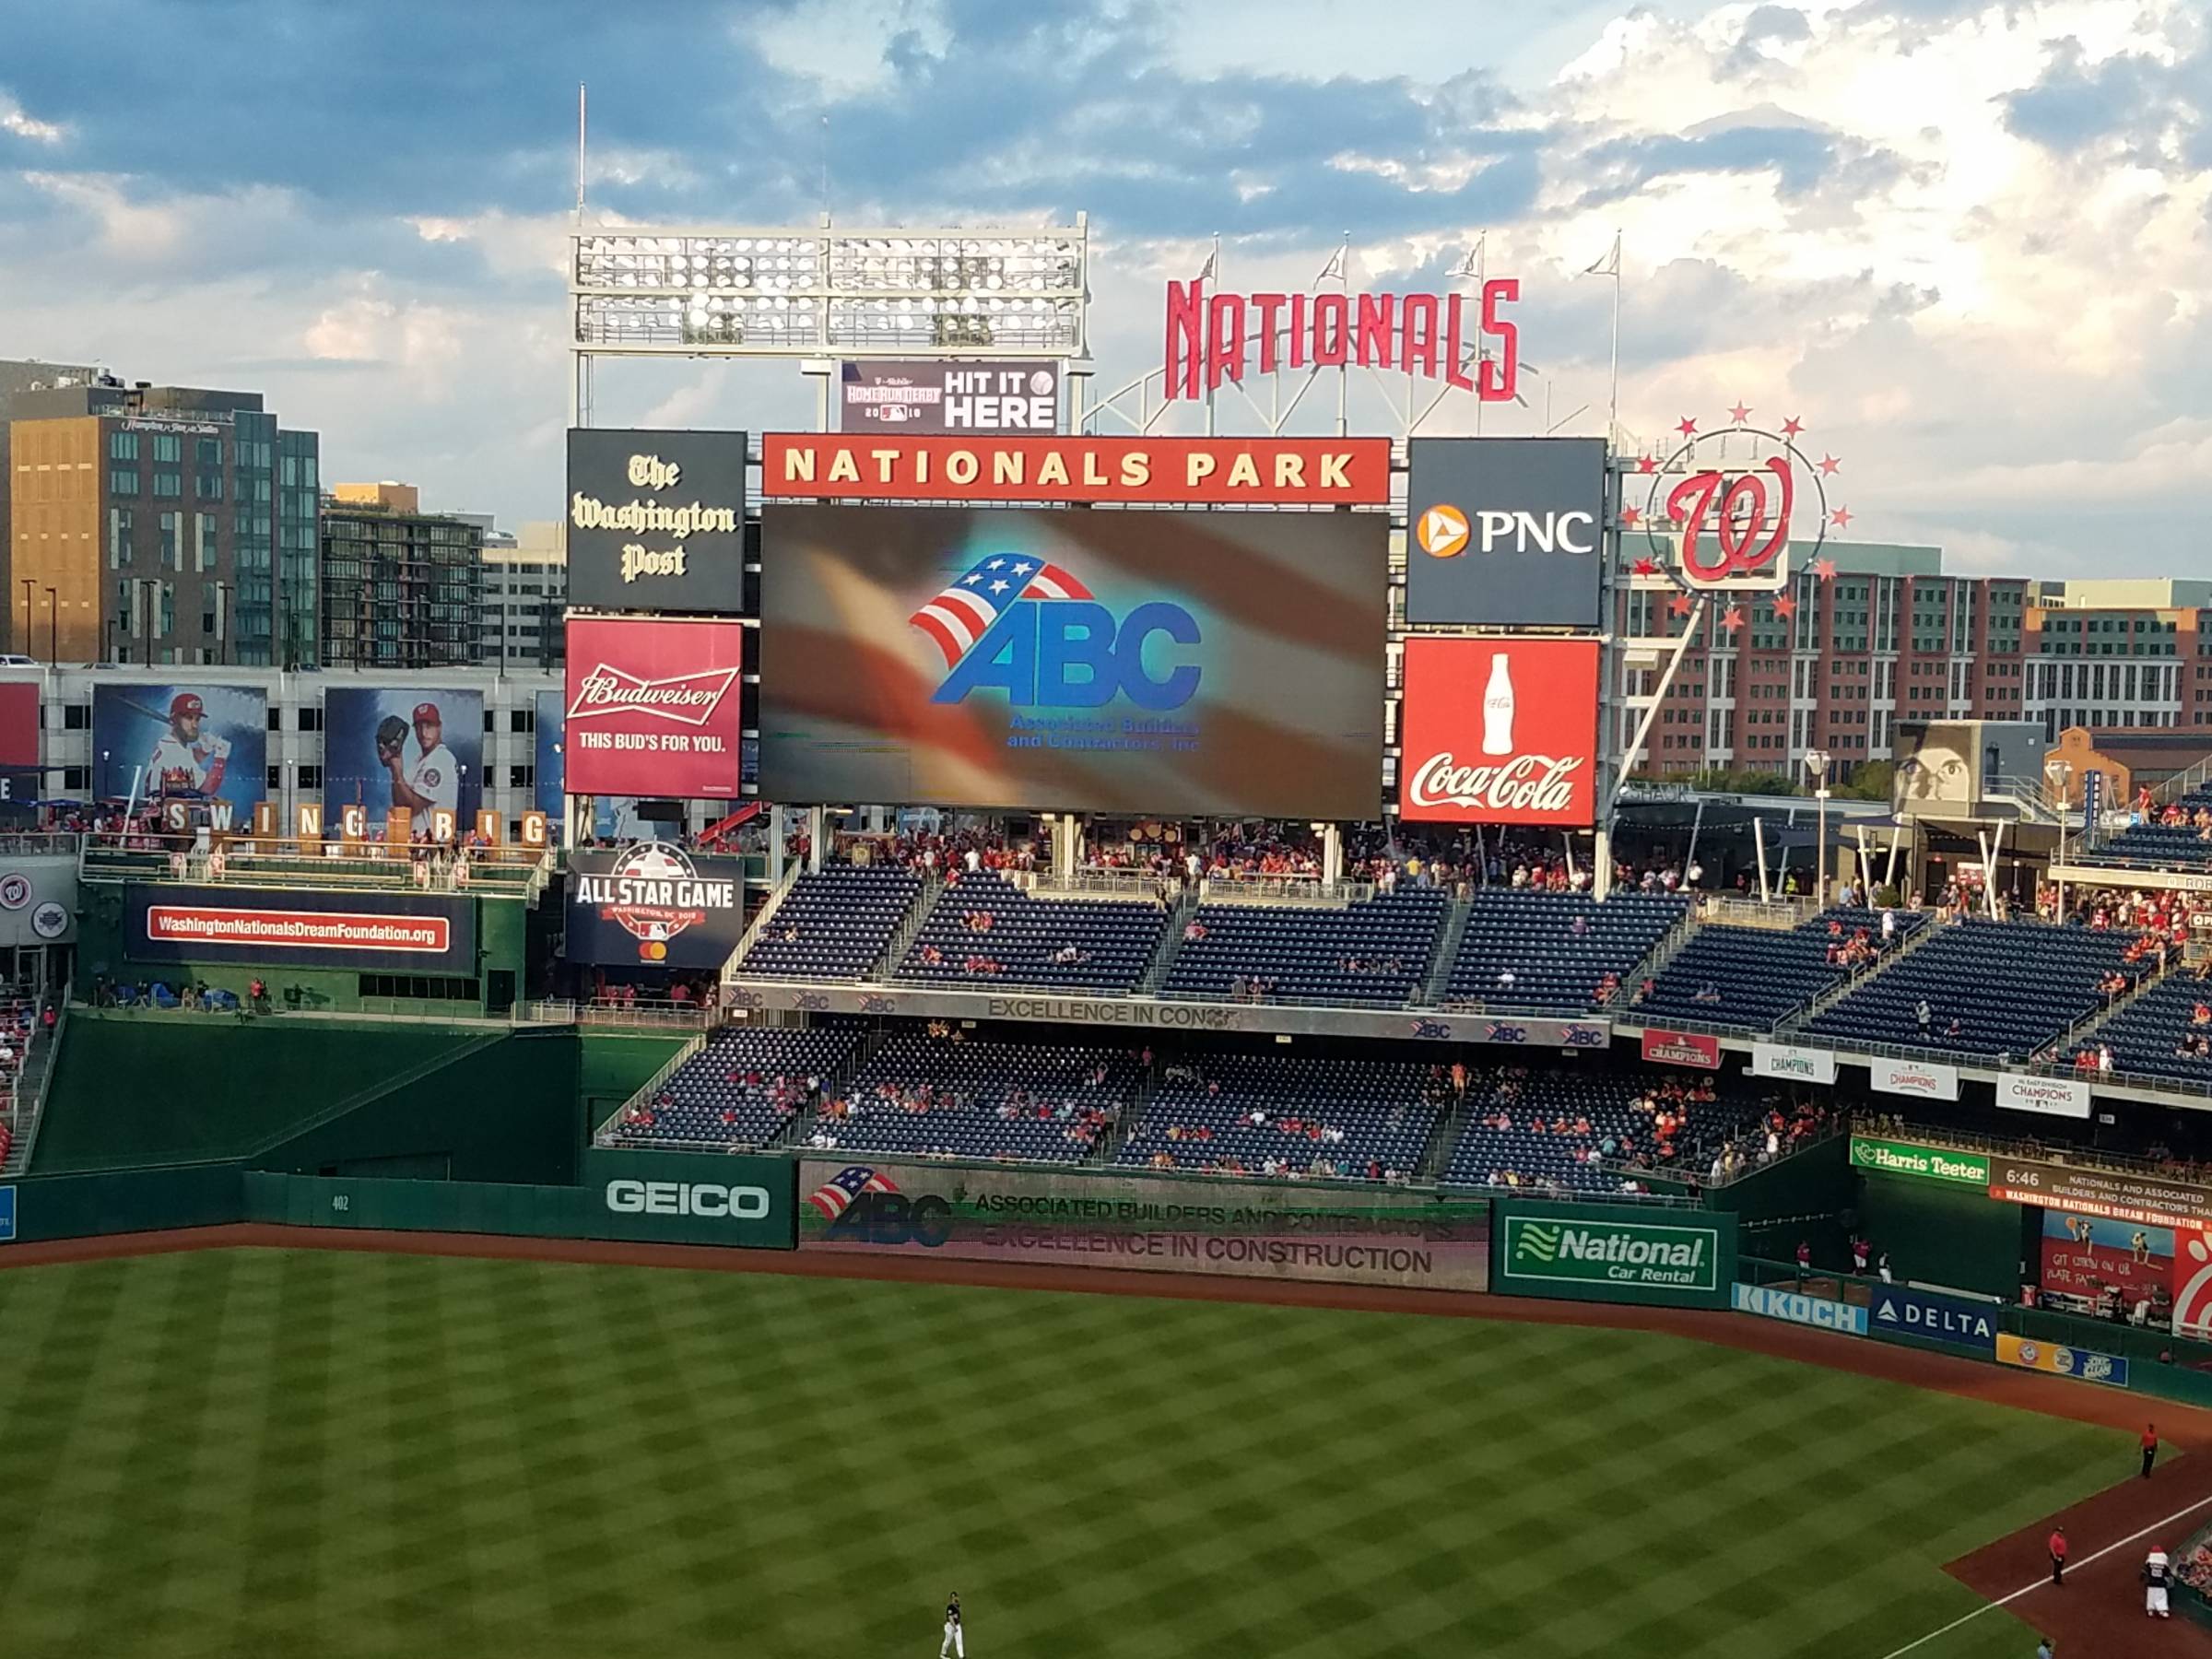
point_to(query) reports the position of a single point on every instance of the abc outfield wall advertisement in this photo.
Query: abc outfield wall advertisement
(1357, 1236)
(191, 743)
(418, 748)
(1203, 663)
(1499, 731)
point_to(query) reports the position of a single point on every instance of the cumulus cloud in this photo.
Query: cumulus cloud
(1965, 239)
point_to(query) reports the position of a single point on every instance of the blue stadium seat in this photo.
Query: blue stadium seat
(1555, 947)
(834, 924)
(1095, 945)
(1377, 950)
(1760, 976)
(743, 1087)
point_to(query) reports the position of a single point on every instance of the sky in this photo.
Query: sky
(1967, 245)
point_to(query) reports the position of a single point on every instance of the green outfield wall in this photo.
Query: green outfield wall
(37, 1207)
(1938, 1231)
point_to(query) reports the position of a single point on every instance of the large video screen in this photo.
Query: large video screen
(415, 746)
(1214, 664)
(177, 742)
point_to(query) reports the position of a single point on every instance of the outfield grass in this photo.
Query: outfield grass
(351, 1456)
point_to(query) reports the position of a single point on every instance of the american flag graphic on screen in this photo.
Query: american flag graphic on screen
(835, 1194)
(963, 613)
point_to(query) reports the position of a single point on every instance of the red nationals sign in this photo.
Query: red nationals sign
(1316, 472)
(653, 708)
(1499, 731)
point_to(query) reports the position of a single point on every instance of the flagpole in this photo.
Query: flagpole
(1482, 264)
(1344, 371)
(1214, 265)
(1613, 393)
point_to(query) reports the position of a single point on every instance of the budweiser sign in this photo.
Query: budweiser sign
(685, 699)
(1526, 783)
(654, 709)
(1213, 337)
(1501, 731)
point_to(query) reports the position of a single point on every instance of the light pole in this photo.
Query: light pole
(1815, 763)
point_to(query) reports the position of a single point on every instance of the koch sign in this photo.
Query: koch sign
(1505, 531)
(1816, 1311)
(1895, 1311)
(881, 394)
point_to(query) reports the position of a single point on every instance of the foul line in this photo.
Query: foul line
(2030, 1589)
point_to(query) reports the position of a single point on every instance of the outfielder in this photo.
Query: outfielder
(183, 763)
(433, 780)
(2156, 1573)
(952, 1645)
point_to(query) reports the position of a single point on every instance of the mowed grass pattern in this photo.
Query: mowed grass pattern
(351, 1456)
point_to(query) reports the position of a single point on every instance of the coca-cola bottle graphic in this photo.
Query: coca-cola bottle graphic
(1498, 708)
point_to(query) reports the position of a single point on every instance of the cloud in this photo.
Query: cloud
(19, 121)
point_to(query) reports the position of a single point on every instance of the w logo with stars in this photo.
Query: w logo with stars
(959, 617)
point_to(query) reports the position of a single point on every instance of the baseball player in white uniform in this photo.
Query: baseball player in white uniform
(953, 1646)
(2157, 1574)
(184, 762)
(430, 779)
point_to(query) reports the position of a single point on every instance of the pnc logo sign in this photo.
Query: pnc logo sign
(626, 1198)
(1442, 531)
(1020, 625)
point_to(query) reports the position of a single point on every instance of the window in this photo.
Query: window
(123, 480)
(170, 527)
(122, 446)
(168, 447)
(208, 486)
(169, 485)
(311, 720)
(311, 777)
(202, 541)
(120, 525)
(524, 777)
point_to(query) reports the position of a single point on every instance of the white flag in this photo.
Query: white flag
(1334, 270)
(1206, 271)
(1611, 264)
(1472, 265)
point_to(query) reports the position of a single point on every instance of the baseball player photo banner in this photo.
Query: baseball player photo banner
(180, 743)
(414, 749)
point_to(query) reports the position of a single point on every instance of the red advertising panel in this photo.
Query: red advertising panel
(2082, 1254)
(18, 724)
(1314, 472)
(1499, 731)
(1695, 1049)
(653, 708)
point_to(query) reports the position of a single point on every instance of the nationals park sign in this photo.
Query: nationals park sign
(1588, 1252)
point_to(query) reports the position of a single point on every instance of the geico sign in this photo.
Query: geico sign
(687, 1199)
(1536, 532)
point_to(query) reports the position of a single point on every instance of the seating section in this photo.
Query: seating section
(1258, 1114)
(1754, 977)
(1994, 988)
(2148, 1036)
(949, 1097)
(1550, 950)
(984, 929)
(835, 923)
(1377, 950)
(2183, 846)
(742, 1088)
(1562, 1128)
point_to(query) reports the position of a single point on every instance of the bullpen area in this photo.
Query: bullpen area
(365, 1449)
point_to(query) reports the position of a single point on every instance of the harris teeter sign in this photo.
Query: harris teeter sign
(1594, 1253)
(1927, 1163)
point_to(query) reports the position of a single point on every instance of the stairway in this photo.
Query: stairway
(1170, 943)
(1439, 981)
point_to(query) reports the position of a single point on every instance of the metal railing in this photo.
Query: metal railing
(1283, 889)
(761, 917)
(660, 1015)
(239, 863)
(39, 844)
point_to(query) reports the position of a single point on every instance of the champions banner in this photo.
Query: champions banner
(1337, 1233)
(419, 933)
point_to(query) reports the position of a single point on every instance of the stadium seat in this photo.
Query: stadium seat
(1543, 1141)
(1261, 1114)
(1754, 977)
(834, 924)
(2003, 989)
(953, 1096)
(984, 929)
(1377, 950)
(743, 1087)
(1555, 947)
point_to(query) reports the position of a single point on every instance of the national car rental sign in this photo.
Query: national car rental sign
(1500, 731)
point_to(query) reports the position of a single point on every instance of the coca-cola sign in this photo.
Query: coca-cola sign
(652, 708)
(1500, 731)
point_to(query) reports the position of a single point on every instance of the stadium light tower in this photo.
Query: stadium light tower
(822, 292)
